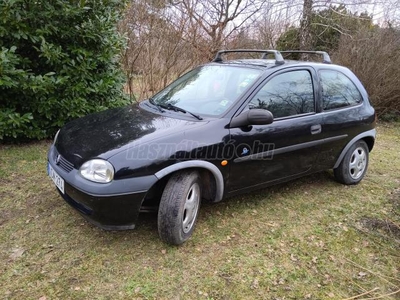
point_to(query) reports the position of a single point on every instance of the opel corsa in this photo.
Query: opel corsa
(224, 128)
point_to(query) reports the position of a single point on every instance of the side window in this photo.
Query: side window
(286, 94)
(338, 90)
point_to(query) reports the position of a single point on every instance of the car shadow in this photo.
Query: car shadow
(146, 231)
(315, 180)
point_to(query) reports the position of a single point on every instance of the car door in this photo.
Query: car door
(288, 147)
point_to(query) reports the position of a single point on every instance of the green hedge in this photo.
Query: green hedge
(59, 60)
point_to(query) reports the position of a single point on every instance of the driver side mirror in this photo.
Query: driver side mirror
(253, 116)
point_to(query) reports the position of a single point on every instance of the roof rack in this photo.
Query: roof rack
(278, 57)
(325, 55)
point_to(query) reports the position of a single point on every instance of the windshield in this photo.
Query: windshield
(208, 90)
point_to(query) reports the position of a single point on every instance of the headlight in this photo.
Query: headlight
(56, 136)
(97, 170)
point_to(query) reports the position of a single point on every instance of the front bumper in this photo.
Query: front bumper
(111, 206)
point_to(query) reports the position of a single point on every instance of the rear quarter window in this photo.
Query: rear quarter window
(338, 90)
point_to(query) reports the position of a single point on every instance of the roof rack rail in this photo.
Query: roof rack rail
(278, 57)
(325, 55)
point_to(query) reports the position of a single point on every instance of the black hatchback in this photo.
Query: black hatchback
(224, 128)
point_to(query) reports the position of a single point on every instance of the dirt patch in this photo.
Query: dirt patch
(387, 226)
(9, 214)
(395, 201)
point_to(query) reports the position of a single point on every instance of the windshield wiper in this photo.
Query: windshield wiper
(159, 107)
(176, 108)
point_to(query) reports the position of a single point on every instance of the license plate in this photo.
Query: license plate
(58, 181)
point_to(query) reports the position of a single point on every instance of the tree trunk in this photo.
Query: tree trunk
(305, 39)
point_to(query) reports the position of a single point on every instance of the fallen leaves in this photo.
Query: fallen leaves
(16, 253)
(255, 284)
(361, 274)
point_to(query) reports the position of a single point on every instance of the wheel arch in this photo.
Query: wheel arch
(368, 137)
(208, 171)
(370, 142)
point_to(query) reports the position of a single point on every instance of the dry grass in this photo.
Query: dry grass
(303, 240)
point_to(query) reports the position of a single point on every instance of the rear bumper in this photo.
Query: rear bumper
(111, 206)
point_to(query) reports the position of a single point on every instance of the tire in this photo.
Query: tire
(179, 207)
(354, 165)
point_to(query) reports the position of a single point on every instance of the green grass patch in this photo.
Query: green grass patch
(308, 239)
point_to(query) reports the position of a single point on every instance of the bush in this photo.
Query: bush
(374, 56)
(327, 28)
(58, 61)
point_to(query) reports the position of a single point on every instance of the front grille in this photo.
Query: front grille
(62, 162)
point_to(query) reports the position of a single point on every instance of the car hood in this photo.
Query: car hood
(107, 133)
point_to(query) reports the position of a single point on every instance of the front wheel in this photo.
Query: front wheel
(354, 164)
(179, 207)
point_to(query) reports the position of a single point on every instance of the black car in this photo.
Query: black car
(224, 128)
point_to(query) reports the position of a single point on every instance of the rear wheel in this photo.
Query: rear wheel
(179, 207)
(354, 165)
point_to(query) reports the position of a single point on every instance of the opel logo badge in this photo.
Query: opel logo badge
(58, 158)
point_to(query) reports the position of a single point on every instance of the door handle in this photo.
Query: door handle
(315, 129)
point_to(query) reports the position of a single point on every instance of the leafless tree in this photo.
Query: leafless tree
(165, 38)
(153, 56)
(213, 22)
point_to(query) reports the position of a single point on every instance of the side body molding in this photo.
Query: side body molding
(219, 180)
(369, 133)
